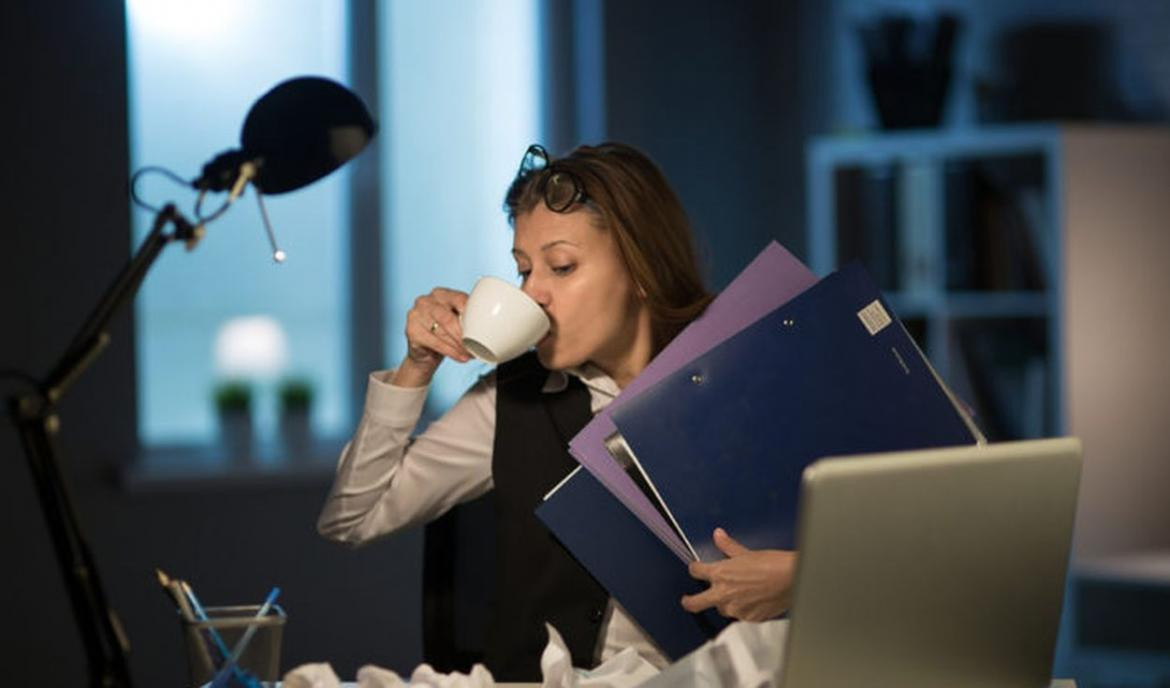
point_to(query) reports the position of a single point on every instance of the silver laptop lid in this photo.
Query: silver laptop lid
(933, 568)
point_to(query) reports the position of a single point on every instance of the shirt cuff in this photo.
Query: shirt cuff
(391, 404)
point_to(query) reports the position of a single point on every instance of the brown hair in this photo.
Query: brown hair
(628, 195)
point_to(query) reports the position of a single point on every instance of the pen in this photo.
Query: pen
(173, 588)
(201, 614)
(242, 644)
(184, 597)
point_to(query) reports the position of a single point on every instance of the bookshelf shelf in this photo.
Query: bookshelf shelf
(1002, 304)
(1021, 304)
(961, 229)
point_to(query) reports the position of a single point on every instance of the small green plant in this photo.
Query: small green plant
(296, 394)
(233, 395)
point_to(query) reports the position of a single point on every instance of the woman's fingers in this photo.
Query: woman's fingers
(701, 570)
(445, 317)
(427, 336)
(700, 601)
(752, 585)
(727, 544)
(451, 298)
(432, 326)
(444, 326)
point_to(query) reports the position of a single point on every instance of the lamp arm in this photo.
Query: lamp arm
(34, 414)
(92, 337)
(106, 646)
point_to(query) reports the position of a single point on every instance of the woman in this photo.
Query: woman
(602, 243)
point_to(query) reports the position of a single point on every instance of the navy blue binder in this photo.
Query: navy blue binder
(724, 440)
(630, 562)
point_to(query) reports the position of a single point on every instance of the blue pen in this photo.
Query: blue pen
(242, 644)
(201, 614)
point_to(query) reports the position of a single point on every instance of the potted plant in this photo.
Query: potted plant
(233, 405)
(295, 396)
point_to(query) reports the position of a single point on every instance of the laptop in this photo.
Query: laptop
(936, 567)
(940, 567)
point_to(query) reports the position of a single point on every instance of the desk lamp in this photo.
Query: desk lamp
(296, 133)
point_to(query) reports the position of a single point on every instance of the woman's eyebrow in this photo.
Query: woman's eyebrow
(521, 254)
(559, 241)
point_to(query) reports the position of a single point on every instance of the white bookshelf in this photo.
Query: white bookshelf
(1098, 216)
(940, 313)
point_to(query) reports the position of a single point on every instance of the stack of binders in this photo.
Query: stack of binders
(782, 369)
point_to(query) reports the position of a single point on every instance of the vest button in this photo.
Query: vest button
(596, 615)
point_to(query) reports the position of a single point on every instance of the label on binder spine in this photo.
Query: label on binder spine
(874, 317)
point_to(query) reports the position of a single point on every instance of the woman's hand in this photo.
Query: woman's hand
(752, 585)
(432, 334)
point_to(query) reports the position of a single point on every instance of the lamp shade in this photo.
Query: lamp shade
(296, 133)
(303, 129)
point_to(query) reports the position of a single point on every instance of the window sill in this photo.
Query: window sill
(169, 468)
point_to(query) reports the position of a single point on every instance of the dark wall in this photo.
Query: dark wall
(66, 155)
(712, 91)
(65, 235)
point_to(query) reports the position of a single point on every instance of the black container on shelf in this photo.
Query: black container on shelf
(908, 67)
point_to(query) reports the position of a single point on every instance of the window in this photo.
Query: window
(460, 85)
(195, 69)
(459, 91)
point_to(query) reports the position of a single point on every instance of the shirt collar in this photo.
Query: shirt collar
(593, 377)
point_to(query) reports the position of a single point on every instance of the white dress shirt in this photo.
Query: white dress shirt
(386, 481)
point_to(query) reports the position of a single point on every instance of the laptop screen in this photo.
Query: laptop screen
(933, 567)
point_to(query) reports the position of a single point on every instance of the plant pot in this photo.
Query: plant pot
(296, 433)
(235, 434)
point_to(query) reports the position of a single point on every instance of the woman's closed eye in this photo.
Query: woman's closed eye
(558, 270)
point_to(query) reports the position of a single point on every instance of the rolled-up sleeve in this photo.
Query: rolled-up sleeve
(387, 481)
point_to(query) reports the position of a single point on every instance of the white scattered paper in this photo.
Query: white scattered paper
(624, 670)
(745, 654)
(318, 675)
(424, 676)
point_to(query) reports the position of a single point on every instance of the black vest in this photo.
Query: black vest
(537, 580)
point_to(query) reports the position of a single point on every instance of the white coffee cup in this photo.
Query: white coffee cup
(500, 321)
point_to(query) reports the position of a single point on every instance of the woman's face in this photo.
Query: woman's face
(574, 271)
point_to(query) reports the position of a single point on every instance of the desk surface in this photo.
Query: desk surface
(1055, 683)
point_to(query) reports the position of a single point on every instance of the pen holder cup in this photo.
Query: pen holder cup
(261, 656)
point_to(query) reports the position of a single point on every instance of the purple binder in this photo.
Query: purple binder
(773, 278)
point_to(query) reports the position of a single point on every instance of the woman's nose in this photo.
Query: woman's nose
(536, 290)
